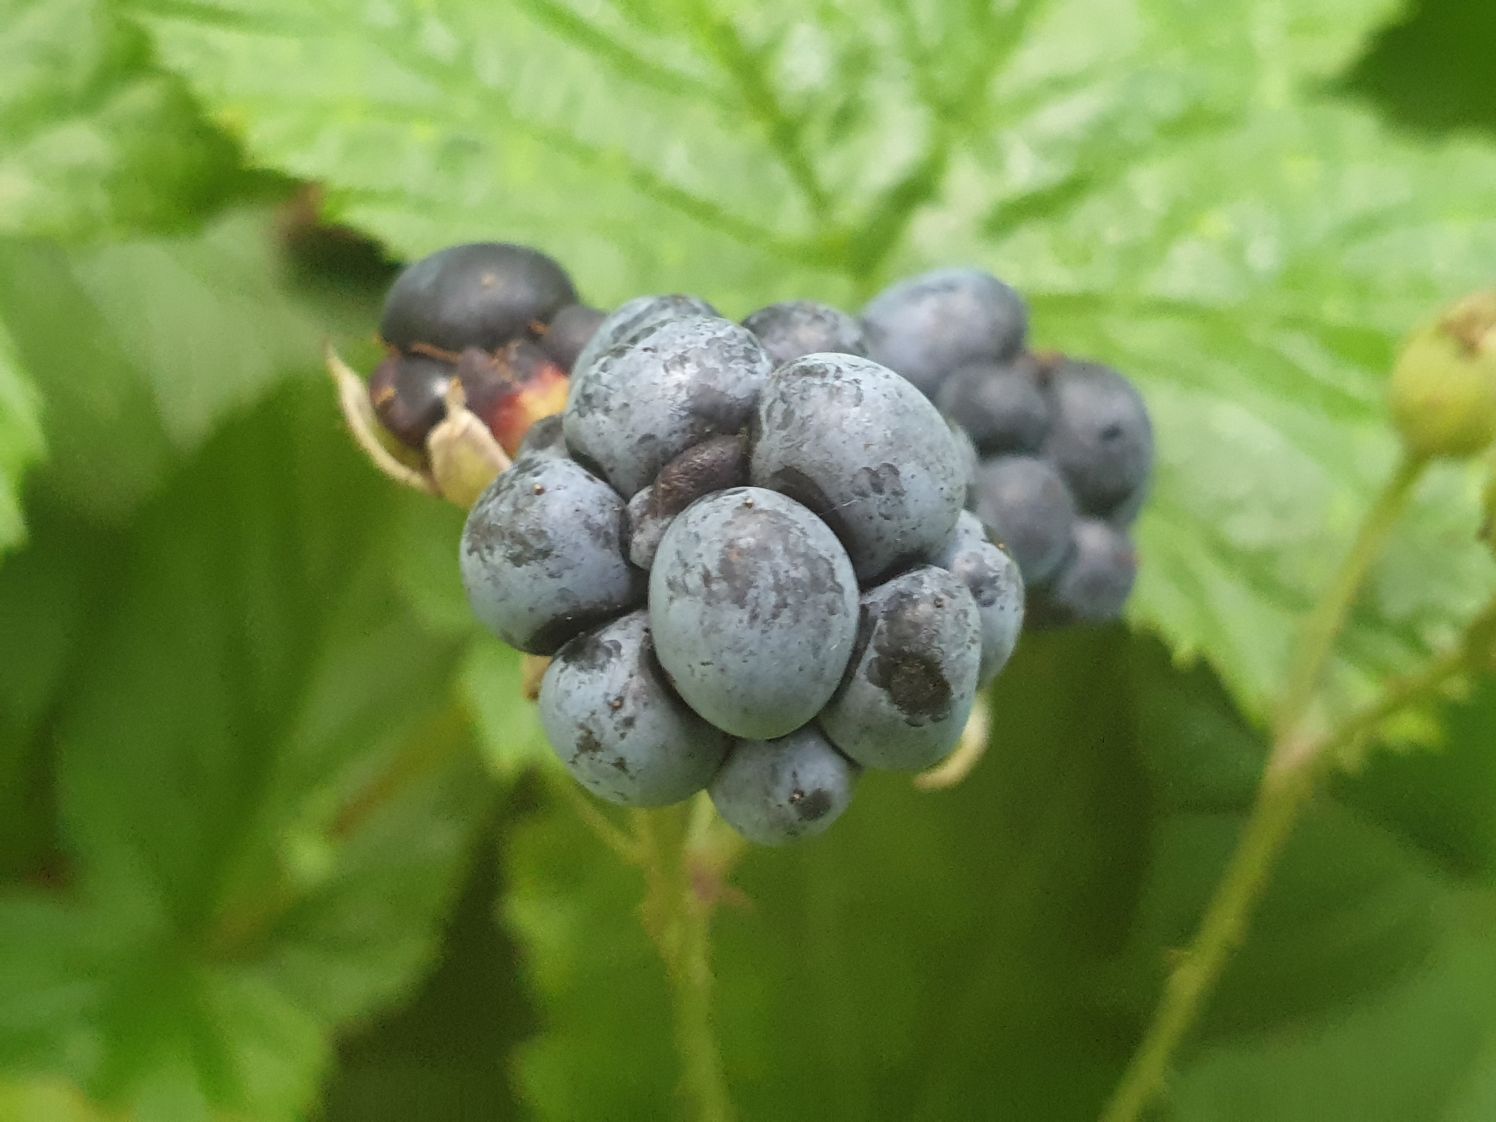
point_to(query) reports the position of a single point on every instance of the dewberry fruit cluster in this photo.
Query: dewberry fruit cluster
(749, 558)
(747, 548)
(1064, 447)
(502, 320)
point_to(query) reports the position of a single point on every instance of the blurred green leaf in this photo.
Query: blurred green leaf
(657, 147)
(934, 956)
(1443, 800)
(94, 137)
(490, 679)
(264, 797)
(1164, 180)
(20, 441)
(1366, 988)
(444, 1055)
(1445, 37)
(491, 682)
(52, 1100)
(137, 349)
(993, 951)
(1378, 891)
(1257, 305)
(49, 592)
(1414, 1049)
(1476, 1100)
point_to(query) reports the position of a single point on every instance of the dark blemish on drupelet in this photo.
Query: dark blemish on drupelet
(812, 806)
(881, 480)
(587, 742)
(903, 665)
(795, 484)
(591, 651)
(914, 683)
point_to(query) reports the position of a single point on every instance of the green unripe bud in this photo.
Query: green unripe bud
(1443, 393)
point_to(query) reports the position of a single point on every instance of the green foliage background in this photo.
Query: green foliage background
(279, 840)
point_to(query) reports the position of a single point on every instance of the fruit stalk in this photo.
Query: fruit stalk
(678, 915)
(1317, 643)
(1284, 793)
(1296, 763)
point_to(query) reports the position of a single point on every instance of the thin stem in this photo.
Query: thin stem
(1294, 770)
(695, 1029)
(1317, 642)
(1282, 796)
(1295, 764)
(1412, 689)
(678, 917)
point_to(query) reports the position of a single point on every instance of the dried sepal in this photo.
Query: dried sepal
(462, 457)
(953, 770)
(532, 672)
(368, 433)
(465, 458)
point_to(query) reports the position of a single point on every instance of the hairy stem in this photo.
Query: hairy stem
(1474, 651)
(1282, 796)
(678, 915)
(1317, 643)
(1295, 764)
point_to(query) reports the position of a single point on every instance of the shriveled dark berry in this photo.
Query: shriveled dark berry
(569, 331)
(407, 392)
(483, 295)
(511, 389)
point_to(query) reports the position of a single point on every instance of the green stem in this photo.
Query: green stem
(1317, 643)
(695, 1029)
(1405, 692)
(678, 917)
(1295, 764)
(1283, 794)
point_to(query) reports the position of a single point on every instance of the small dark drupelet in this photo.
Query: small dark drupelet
(1001, 405)
(774, 792)
(482, 295)
(1102, 440)
(407, 392)
(1093, 584)
(1030, 510)
(797, 328)
(569, 331)
(927, 326)
(510, 388)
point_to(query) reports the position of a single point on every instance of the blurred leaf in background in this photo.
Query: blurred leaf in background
(217, 850)
(99, 140)
(250, 742)
(248, 849)
(1171, 187)
(20, 440)
(991, 952)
